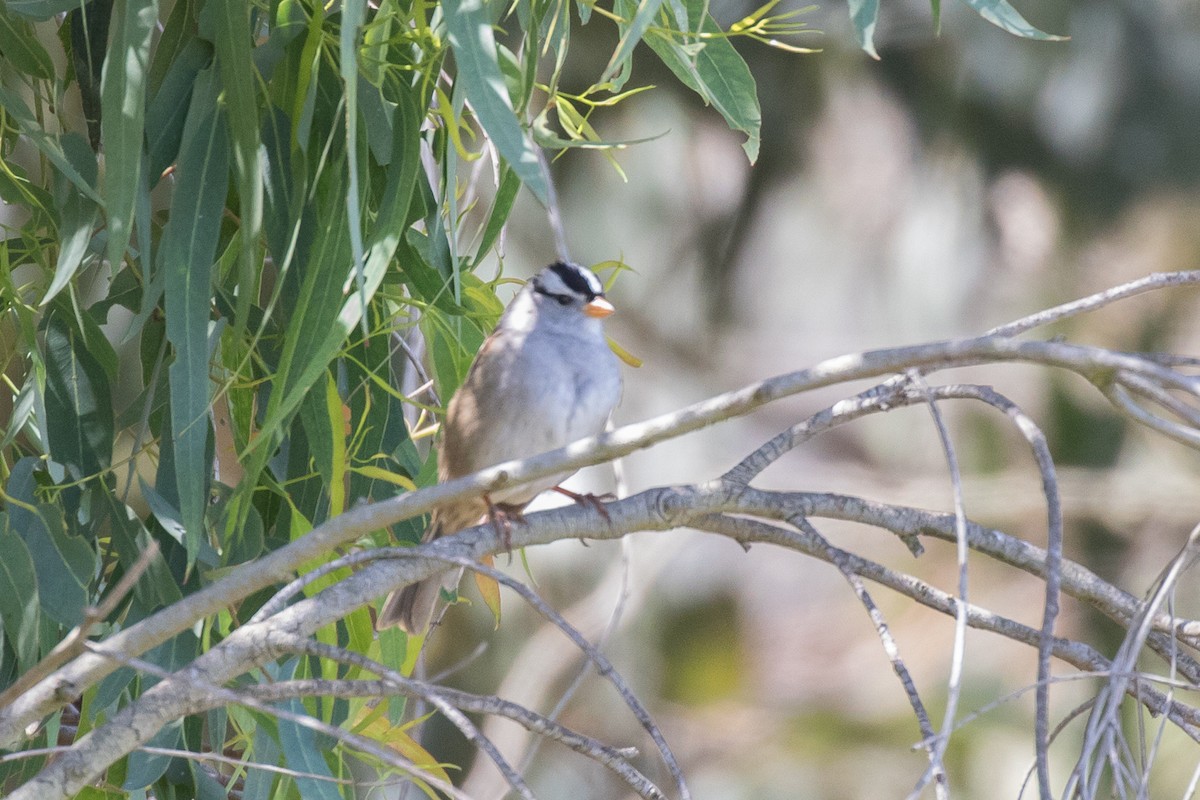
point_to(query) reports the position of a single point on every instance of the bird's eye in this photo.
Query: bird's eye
(563, 300)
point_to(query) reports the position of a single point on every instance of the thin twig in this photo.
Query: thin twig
(837, 557)
(456, 717)
(1158, 280)
(1104, 725)
(208, 695)
(937, 769)
(393, 682)
(1078, 654)
(603, 666)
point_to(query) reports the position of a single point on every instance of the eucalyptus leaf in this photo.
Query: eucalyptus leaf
(78, 400)
(19, 603)
(303, 753)
(714, 70)
(146, 768)
(864, 14)
(77, 215)
(64, 564)
(619, 66)
(123, 94)
(186, 254)
(21, 49)
(1001, 14)
(474, 46)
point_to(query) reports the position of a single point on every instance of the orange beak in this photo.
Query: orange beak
(598, 308)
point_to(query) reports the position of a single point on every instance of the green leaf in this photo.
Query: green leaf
(167, 111)
(506, 195)
(78, 402)
(145, 768)
(318, 328)
(77, 215)
(283, 196)
(41, 10)
(717, 73)
(353, 12)
(864, 14)
(178, 32)
(19, 604)
(404, 166)
(48, 145)
(258, 781)
(619, 65)
(156, 588)
(186, 254)
(474, 46)
(313, 336)
(305, 755)
(123, 89)
(19, 44)
(64, 564)
(234, 41)
(1001, 14)
(377, 115)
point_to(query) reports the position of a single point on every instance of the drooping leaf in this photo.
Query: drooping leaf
(77, 215)
(78, 400)
(489, 590)
(46, 144)
(64, 564)
(305, 754)
(156, 588)
(123, 93)
(19, 603)
(474, 46)
(713, 69)
(1001, 14)
(506, 195)
(40, 10)
(188, 248)
(620, 65)
(167, 110)
(864, 14)
(265, 751)
(230, 20)
(89, 24)
(21, 49)
(353, 12)
(145, 768)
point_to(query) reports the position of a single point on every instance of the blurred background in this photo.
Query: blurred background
(962, 181)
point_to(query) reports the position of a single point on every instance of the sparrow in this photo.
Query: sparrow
(543, 379)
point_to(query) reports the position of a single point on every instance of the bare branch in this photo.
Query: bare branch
(1128, 380)
(1078, 654)
(1158, 280)
(1096, 364)
(442, 697)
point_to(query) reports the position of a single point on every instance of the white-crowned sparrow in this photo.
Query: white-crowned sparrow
(544, 378)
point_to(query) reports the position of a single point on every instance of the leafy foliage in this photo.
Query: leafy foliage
(202, 273)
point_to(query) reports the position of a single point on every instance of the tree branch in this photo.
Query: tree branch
(269, 635)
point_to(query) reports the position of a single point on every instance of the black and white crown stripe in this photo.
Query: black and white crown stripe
(578, 280)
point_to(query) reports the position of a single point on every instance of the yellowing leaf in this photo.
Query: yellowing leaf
(489, 589)
(397, 738)
(381, 474)
(623, 354)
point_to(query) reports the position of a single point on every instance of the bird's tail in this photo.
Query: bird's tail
(412, 607)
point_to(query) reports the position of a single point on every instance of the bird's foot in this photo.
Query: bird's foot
(588, 499)
(502, 516)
